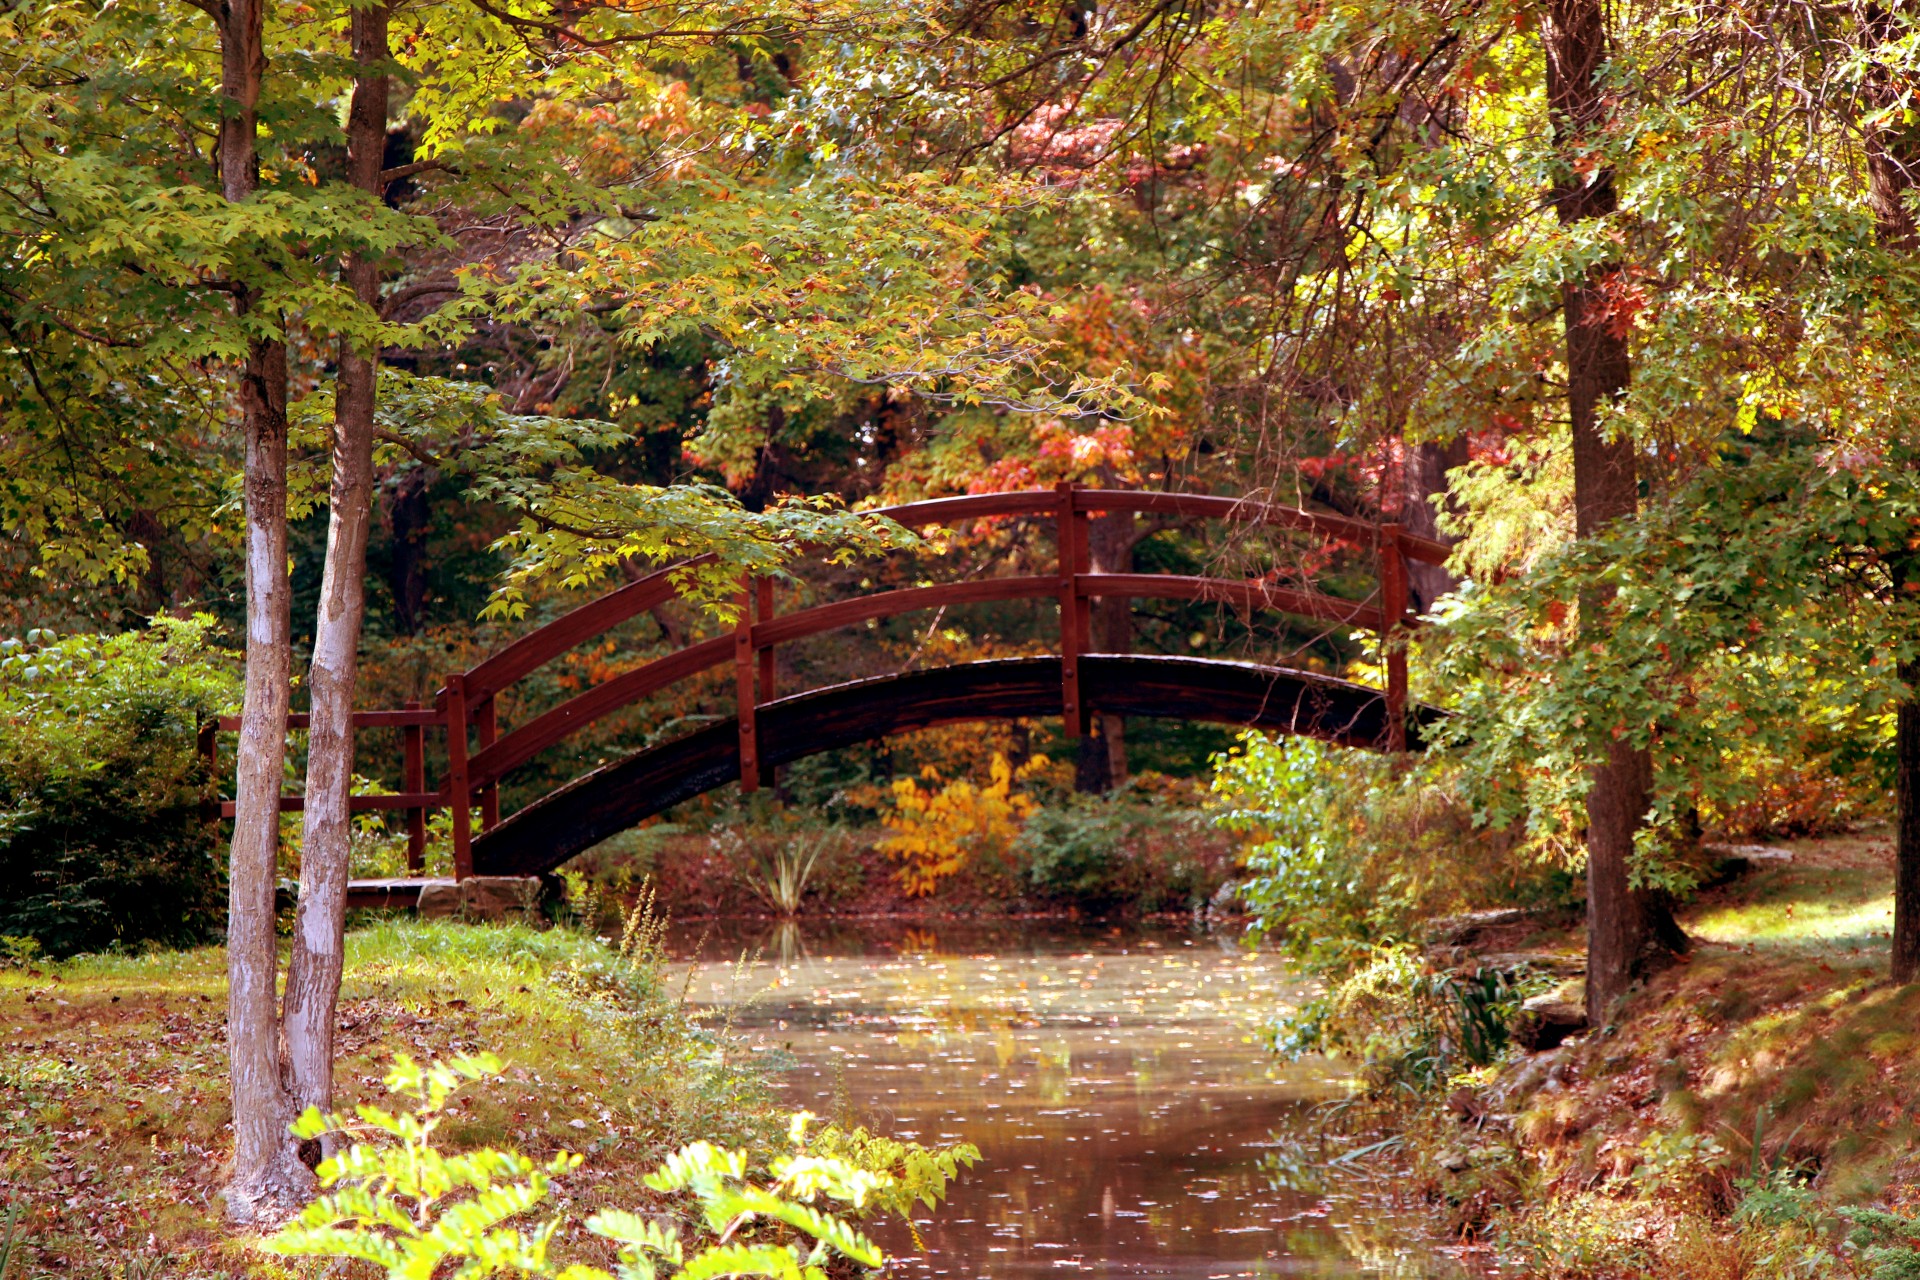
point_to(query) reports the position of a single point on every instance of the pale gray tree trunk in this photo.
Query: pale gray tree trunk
(318, 952)
(268, 1179)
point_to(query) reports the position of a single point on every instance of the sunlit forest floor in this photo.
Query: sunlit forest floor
(113, 1108)
(1750, 1092)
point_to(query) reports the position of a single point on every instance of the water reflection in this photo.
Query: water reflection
(1110, 1077)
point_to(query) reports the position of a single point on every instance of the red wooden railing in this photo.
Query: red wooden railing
(465, 708)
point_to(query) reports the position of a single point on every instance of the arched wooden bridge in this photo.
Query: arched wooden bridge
(768, 730)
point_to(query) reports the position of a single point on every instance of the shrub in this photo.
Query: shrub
(1099, 852)
(105, 837)
(1348, 849)
(940, 827)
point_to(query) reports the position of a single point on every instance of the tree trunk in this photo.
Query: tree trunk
(411, 510)
(1434, 462)
(314, 965)
(268, 1181)
(1629, 931)
(1906, 856)
(1893, 172)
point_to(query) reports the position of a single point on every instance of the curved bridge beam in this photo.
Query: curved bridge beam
(614, 797)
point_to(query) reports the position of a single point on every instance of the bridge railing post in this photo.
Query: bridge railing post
(485, 730)
(1393, 635)
(413, 750)
(1070, 535)
(745, 701)
(459, 796)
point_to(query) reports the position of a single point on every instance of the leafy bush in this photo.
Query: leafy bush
(1348, 849)
(940, 827)
(396, 1201)
(105, 838)
(1407, 1024)
(1100, 852)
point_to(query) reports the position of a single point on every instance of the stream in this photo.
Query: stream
(1113, 1079)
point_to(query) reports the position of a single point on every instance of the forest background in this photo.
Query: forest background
(501, 302)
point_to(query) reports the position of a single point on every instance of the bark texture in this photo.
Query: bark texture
(268, 1181)
(315, 961)
(1629, 931)
(1893, 174)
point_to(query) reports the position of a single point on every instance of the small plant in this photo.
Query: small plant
(914, 1174)
(396, 1201)
(6, 1242)
(1889, 1243)
(1409, 1024)
(780, 878)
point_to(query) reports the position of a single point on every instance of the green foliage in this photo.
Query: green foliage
(1889, 1243)
(779, 866)
(393, 1199)
(1100, 853)
(104, 835)
(913, 1174)
(1345, 849)
(1754, 619)
(1407, 1024)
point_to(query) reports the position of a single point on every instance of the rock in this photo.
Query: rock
(1467, 929)
(1750, 852)
(1546, 1021)
(1226, 900)
(482, 898)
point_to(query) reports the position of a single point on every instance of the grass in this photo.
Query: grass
(113, 1112)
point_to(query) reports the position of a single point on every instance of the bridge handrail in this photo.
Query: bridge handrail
(508, 752)
(537, 648)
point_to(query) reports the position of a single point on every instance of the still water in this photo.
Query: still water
(1112, 1079)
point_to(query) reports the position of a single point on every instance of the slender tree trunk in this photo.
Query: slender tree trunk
(1111, 539)
(411, 510)
(268, 1181)
(314, 966)
(1434, 462)
(1893, 174)
(1628, 930)
(1906, 865)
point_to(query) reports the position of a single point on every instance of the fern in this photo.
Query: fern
(394, 1200)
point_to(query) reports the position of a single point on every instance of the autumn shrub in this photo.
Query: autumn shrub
(106, 838)
(939, 826)
(1347, 850)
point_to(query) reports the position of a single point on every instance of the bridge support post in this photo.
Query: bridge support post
(1393, 635)
(744, 699)
(459, 797)
(414, 778)
(1071, 536)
